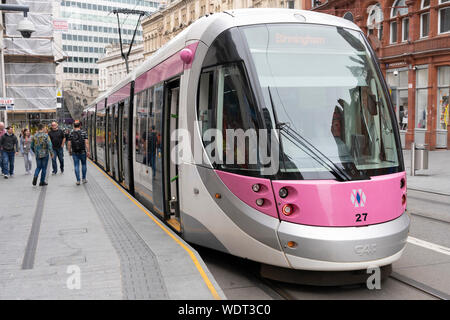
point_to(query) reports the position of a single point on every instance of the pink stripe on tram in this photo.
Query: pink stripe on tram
(165, 70)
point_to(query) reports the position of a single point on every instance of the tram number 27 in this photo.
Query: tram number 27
(360, 217)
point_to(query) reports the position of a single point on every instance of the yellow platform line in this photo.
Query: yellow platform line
(175, 224)
(159, 224)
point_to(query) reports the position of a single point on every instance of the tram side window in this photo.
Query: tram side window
(141, 125)
(126, 106)
(226, 104)
(205, 103)
(150, 135)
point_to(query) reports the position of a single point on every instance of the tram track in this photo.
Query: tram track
(430, 191)
(276, 289)
(429, 205)
(273, 289)
(420, 286)
(428, 217)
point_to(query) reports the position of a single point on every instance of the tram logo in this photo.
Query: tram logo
(358, 198)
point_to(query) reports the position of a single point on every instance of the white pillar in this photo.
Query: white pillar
(2, 69)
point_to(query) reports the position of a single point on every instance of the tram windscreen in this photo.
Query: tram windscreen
(327, 98)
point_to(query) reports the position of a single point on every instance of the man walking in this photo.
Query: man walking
(10, 146)
(42, 147)
(58, 139)
(79, 149)
(2, 132)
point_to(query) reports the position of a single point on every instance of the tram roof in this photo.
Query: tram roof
(207, 28)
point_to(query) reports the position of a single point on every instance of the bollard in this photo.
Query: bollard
(419, 158)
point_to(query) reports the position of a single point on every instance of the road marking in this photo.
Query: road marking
(33, 238)
(429, 245)
(156, 221)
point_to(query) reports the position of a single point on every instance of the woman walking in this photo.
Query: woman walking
(42, 148)
(25, 149)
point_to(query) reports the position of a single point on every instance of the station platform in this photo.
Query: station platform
(92, 241)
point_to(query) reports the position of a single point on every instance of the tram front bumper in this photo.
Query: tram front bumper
(344, 248)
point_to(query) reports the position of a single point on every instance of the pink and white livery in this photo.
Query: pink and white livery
(266, 134)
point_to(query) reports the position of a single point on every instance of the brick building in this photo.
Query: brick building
(412, 42)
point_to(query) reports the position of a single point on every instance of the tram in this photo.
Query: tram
(267, 134)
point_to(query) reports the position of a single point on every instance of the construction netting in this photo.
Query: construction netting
(32, 85)
(32, 82)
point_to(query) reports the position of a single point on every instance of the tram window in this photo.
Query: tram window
(150, 135)
(141, 125)
(226, 104)
(158, 99)
(205, 103)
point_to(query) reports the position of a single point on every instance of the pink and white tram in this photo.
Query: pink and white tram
(331, 195)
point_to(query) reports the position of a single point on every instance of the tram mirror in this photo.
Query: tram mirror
(372, 104)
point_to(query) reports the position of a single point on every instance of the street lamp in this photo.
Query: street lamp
(26, 28)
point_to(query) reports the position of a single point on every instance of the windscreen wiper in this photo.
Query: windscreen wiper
(299, 141)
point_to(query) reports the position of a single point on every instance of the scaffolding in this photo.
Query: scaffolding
(29, 63)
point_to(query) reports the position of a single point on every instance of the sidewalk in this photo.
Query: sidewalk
(90, 241)
(436, 178)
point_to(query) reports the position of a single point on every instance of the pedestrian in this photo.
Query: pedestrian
(25, 149)
(2, 132)
(79, 150)
(42, 147)
(58, 139)
(66, 135)
(10, 147)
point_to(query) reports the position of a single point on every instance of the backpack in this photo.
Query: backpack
(77, 142)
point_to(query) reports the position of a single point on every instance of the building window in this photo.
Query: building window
(424, 25)
(443, 97)
(444, 19)
(421, 98)
(393, 31)
(375, 20)
(405, 29)
(399, 8)
(398, 84)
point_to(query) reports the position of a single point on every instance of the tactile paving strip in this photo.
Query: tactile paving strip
(141, 276)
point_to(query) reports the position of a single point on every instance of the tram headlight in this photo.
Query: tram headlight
(287, 209)
(402, 183)
(259, 202)
(283, 193)
(256, 187)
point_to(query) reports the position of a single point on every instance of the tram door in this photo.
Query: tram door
(112, 141)
(107, 140)
(172, 206)
(116, 150)
(119, 141)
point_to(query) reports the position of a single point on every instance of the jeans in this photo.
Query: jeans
(8, 162)
(151, 161)
(77, 157)
(28, 161)
(41, 164)
(59, 153)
